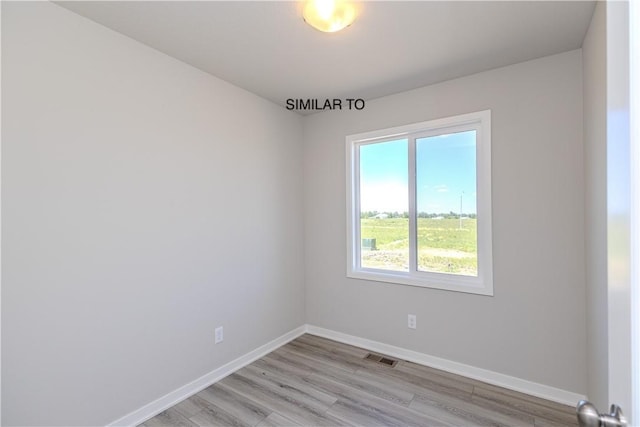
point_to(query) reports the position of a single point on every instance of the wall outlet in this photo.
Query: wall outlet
(219, 335)
(411, 322)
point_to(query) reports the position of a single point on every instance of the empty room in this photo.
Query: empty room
(319, 213)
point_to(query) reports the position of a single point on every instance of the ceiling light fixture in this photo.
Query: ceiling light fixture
(329, 15)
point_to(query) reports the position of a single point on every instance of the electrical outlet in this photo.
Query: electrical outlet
(411, 322)
(219, 335)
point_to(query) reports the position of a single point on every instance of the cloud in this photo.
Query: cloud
(441, 188)
(384, 197)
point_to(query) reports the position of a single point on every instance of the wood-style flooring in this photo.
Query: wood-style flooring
(313, 381)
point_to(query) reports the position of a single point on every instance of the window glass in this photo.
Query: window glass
(384, 205)
(446, 203)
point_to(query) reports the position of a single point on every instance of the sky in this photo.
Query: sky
(446, 170)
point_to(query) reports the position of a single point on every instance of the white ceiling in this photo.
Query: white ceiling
(266, 48)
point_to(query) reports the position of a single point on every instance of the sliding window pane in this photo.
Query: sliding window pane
(446, 203)
(384, 205)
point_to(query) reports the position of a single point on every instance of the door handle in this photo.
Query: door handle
(588, 416)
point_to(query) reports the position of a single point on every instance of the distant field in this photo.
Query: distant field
(442, 246)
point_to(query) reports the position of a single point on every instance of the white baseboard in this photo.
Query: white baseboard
(495, 378)
(154, 408)
(540, 390)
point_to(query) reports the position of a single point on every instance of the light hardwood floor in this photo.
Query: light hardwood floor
(313, 381)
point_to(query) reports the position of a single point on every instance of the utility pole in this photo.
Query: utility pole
(460, 217)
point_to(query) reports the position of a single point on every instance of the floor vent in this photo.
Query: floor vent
(382, 359)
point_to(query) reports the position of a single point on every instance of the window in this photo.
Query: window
(419, 204)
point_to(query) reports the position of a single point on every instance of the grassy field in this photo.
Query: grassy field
(442, 246)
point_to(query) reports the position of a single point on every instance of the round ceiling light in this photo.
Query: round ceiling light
(329, 15)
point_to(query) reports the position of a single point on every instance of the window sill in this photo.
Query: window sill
(448, 282)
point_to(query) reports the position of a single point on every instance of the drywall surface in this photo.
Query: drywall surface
(594, 62)
(534, 327)
(144, 203)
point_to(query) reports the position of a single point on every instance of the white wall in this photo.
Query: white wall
(143, 203)
(534, 327)
(594, 60)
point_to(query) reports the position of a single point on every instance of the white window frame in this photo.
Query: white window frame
(483, 283)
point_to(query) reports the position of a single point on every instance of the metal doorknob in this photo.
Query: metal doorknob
(588, 416)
